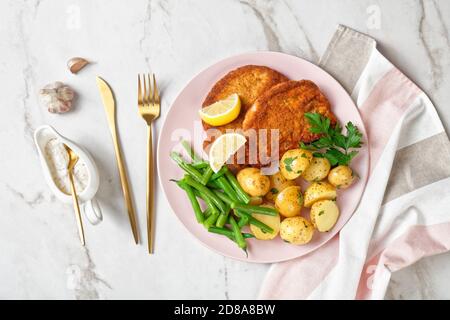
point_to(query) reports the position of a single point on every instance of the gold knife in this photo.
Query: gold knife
(110, 109)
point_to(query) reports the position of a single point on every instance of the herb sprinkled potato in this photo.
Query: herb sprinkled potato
(277, 184)
(324, 215)
(294, 162)
(296, 230)
(253, 182)
(289, 202)
(317, 170)
(341, 177)
(319, 191)
(271, 221)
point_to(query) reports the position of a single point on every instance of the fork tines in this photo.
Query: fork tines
(148, 95)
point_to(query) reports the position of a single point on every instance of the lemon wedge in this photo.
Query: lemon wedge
(222, 111)
(223, 148)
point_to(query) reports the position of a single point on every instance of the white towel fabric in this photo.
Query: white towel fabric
(404, 213)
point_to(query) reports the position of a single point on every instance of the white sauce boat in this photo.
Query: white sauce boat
(88, 205)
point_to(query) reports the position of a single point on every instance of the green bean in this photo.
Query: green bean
(187, 146)
(223, 217)
(243, 196)
(222, 231)
(237, 234)
(193, 199)
(208, 202)
(186, 167)
(212, 207)
(243, 221)
(213, 184)
(211, 220)
(228, 190)
(254, 209)
(221, 220)
(200, 165)
(217, 202)
(207, 175)
(207, 212)
(228, 233)
(219, 173)
(264, 227)
(202, 196)
(222, 196)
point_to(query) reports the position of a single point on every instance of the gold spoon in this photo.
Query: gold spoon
(73, 159)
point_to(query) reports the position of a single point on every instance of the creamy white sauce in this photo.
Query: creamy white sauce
(58, 160)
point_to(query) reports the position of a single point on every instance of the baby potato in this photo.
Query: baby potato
(296, 230)
(289, 202)
(324, 214)
(341, 177)
(294, 162)
(317, 170)
(253, 182)
(319, 191)
(277, 184)
(271, 221)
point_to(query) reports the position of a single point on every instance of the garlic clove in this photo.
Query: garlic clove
(76, 64)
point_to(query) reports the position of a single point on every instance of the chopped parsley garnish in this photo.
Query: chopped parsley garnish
(288, 163)
(321, 213)
(300, 198)
(333, 145)
(274, 190)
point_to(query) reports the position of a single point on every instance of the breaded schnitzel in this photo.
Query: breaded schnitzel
(283, 107)
(249, 82)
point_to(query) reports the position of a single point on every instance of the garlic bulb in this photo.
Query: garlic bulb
(57, 97)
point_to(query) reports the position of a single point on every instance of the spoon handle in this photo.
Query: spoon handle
(77, 208)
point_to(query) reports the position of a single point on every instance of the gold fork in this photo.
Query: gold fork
(149, 108)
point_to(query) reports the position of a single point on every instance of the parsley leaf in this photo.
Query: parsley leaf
(288, 163)
(300, 199)
(354, 136)
(333, 145)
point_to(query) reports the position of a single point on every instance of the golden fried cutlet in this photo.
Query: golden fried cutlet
(283, 107)
(249, 82)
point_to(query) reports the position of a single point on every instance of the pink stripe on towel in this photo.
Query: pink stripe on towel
(416, 243)
(384, 107)
(296, 279)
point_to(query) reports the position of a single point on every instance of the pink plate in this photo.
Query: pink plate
(182, 121)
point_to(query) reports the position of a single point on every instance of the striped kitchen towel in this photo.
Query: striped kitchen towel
(404, 213)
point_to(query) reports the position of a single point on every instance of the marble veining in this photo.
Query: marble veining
(266, 21)
(41, 256)
(431, 11)
(87, 280)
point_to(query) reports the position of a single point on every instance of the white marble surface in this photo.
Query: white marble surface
(40, 256)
